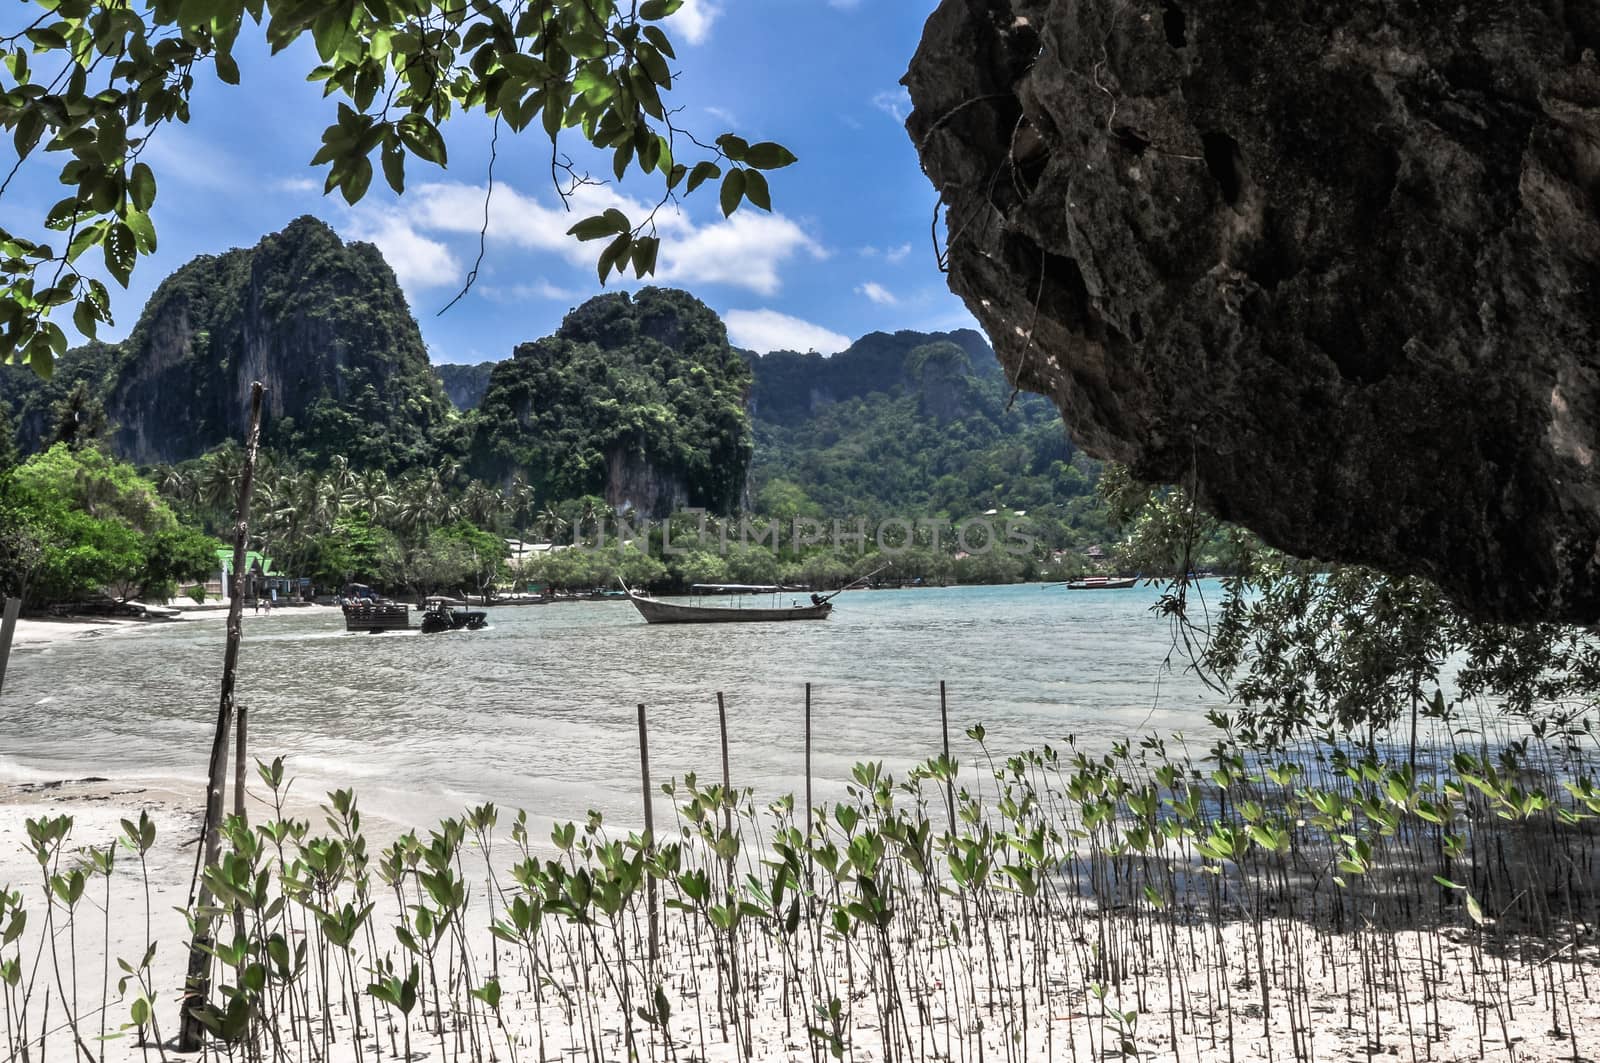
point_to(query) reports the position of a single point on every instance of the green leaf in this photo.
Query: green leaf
(614, 253)
(142, 187)
(422, 137)
(769, 156)
(227, 69)
(355, 184)
(83, 317)
(702, 172)
(1474, 910)
(732, 191)
(394, 167)
(601, 225)
(755, 190)
(144, 231)
(656, 10)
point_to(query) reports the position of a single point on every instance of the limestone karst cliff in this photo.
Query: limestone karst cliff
(1336, 265)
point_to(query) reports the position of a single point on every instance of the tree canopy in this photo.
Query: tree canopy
(96, 83)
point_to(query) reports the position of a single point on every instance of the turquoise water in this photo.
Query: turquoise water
(538, 710)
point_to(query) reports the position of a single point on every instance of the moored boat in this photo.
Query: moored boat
(1103, 583)
(656, 611)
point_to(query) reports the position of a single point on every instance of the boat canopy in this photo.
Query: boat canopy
(752, 587)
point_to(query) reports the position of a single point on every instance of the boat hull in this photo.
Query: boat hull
(658, 612)
(1103, 584)
(374, 618)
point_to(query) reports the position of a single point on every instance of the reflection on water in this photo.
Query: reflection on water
(538, 710)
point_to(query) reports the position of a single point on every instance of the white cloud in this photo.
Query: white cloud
(892, 255)
(297, 184)
(722, 114)
(744, 251)
(417, 261)
(694, 19)
(895, 102)
(768, 330)
(877, 293)
(524, 293)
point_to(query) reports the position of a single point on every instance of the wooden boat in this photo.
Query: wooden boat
(365, 611)
(656, 611)
(1103, 583)
(441, 615)
(374, 616)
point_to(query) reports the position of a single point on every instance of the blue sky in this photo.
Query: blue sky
(846, 251)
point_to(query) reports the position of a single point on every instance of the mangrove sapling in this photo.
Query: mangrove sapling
(138, 838)
(400, 994)
(13, 921)
(48, 837)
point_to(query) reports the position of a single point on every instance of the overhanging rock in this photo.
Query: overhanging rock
(1334, 263)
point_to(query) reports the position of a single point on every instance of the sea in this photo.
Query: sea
(540, 710)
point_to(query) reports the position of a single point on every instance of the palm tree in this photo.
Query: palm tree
(549, 524)
(483, 505)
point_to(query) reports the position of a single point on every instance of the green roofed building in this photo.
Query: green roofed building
(261, 579)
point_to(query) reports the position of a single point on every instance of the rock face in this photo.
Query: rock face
(465, 384)
(1333, 263)
(790, 387)
(321, 323)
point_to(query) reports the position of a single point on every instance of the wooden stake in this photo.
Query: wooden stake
(808, 765)
(8, 627)
(650, 832)
(727, 786)
(949, 782)
(197, 986)
(238, 763)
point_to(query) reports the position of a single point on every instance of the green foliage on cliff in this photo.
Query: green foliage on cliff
(640, 394)
(912, 424)
(321, 322)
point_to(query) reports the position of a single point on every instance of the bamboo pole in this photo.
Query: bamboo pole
(197, 986)
(8, 627)
(650, 834)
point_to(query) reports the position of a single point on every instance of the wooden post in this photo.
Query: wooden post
(8, 627)
(949, 782)
(239, 762)
(950, 800)
(650, 832)
(727, 786)
(197, 986)
(808, 765)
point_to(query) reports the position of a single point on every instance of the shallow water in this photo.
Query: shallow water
(538, 710)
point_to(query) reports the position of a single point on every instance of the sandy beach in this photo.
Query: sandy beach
(1275, 989)
(45, 631)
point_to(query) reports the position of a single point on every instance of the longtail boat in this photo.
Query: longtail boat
(1103, 583)
(656, 611)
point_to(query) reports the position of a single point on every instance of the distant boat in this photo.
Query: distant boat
(1103, 583)
(656, 611)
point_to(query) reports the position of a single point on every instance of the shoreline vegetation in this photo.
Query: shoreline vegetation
(1155, 900)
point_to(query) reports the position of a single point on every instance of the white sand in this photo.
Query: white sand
(40, 631)
(1204, 992)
